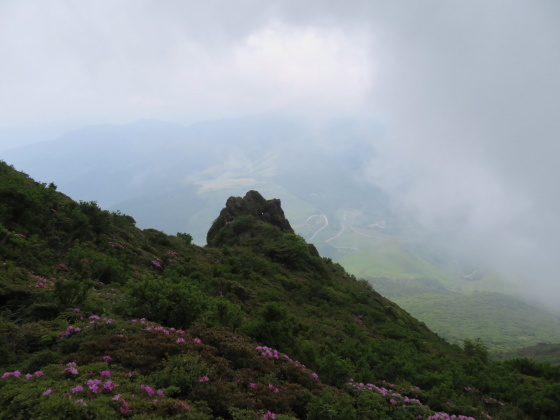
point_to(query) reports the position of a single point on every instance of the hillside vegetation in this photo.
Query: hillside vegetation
(503, 322)
(99, 319)
(336, 205)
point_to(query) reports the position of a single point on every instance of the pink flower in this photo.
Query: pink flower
(253, 385)
(160, 392)
(125, 409)
(109, 385)
(39, 373)
(182, 405)
(315, 375)
(8, 374)
(81, 402)
(48, 391)
(116, 397)
(28, 376)
(107, 358)
(269, 416)
(197, 340)
(180, 340)
(71, 370)
(105, 373)
(93, 385)
(77, 389)
(149, 390)
(204, 379)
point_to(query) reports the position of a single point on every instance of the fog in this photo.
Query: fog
(467, 94)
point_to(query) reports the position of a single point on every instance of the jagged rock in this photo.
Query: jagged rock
(253, 204)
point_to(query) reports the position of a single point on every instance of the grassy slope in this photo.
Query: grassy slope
(500, 321)
(436, 292)
(157, 313)
(543, 352)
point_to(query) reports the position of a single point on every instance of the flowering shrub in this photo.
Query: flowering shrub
(89, 395)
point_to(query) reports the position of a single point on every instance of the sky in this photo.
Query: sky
(467, 94)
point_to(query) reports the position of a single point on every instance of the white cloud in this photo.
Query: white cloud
(121, 61)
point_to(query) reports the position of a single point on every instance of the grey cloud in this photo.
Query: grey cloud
(472, 93)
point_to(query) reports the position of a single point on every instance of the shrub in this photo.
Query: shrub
(177, 303)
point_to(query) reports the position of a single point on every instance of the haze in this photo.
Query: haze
(467, 94)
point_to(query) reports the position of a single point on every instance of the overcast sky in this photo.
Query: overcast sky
(467, 93)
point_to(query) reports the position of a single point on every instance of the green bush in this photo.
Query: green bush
(174, 302)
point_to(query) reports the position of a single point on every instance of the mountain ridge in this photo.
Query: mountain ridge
(100, 319)
(178, 184)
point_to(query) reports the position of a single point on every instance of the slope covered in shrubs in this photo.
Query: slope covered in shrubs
(99, 319)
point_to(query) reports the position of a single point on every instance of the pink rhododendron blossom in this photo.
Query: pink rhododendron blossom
(149, 390)
(182, 405)
(48, 391)
(197, 340)
(105, 373)
(125, 409)
(109, 385)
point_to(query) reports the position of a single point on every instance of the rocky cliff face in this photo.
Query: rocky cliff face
(253, 205)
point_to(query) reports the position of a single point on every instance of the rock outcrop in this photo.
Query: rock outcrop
(253, 204)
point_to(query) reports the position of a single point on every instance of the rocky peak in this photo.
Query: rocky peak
(253, 204)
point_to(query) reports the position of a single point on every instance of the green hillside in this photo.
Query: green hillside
(503, 322)
(347, 218)
(99, 319)
(542, 352)
(454, 300)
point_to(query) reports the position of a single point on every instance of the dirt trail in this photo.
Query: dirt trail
(325, 218)
(341, 230)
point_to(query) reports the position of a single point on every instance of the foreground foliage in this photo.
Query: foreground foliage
(99, 319)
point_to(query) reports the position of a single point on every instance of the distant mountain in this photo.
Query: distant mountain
(184, 172)
(175, 178)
